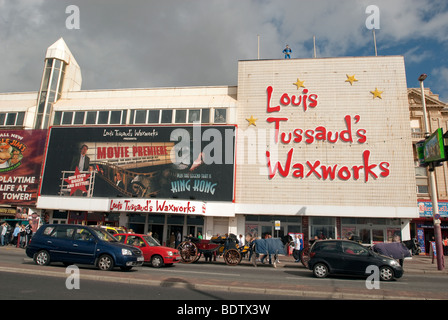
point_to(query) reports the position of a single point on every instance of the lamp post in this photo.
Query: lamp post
(432, 185)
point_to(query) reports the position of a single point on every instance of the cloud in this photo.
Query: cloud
(132, 43)
(440, 84)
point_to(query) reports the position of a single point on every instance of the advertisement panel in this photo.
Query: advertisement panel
(434, 147)
(169, 162)
(21, 155)
(425, 209)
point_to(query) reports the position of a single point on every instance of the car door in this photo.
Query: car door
(356, 258)
(83, 246)
(58, 242)
(330, 253)
(137, 241)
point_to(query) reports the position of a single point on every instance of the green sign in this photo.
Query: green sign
(434, 147)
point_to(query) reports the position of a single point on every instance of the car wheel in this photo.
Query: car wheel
(157, 261)
(320, 270)
(386, 274)
(105, 262)
(42, 258)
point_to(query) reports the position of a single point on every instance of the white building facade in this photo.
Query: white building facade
(320, 147)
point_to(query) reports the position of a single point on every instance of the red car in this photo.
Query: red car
(153, 252)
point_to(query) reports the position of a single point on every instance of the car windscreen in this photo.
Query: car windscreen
(151, 241)
(104, 235)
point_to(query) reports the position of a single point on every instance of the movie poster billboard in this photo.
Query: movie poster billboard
(21, 155)
(170, 162)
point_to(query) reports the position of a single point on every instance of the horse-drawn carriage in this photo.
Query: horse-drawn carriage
(193, 248)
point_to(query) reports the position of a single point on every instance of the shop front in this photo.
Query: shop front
(157, 179)
(423, 228)
(21, 154)
(323, 148)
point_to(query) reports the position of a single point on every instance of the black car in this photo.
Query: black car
(74, 244)
(349, 257)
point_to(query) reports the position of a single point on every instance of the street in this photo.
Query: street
(22, 279)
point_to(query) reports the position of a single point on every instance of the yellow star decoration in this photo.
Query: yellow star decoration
(350, 79)
(376, 93)
(252, 120)
(299, 84)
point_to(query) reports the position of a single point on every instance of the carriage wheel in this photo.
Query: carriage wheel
(232, 257)
(188, 252)
(305, 257)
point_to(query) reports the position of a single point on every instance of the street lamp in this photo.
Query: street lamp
(432, 184)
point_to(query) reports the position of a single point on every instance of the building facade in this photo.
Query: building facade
(321, 147)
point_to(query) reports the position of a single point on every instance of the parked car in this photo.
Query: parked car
(74, 244)
(348, 257)
(153, 252)
(113, 230)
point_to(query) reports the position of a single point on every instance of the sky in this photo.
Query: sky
(170, 43)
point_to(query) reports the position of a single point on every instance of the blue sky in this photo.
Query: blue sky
(165, 43)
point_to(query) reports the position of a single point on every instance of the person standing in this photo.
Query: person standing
(3, 233)
(15, 234)
(28, 233)
(287, 51)
(81, 160)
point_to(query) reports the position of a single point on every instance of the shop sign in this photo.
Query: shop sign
(159, 206)
(350, 133)
(21, 154)
(425, 209)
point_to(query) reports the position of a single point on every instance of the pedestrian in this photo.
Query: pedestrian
(22, 236)
(298, 247)
(241, 241)
(445, 246)
(287, 51)
(15, 234)
(28, 233)
(178, 239)
(172, 240)
(8, 234)
(3, 230)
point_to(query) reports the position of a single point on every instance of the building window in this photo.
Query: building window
(181, 116)
(90, 117)
(205, 116)
(167, 116)
(103, 117)
(140, 116)
(79, 117)
(12, 119)
(153, 116)
(322, 228)
(220, 115)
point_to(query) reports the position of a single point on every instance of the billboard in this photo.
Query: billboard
(170, 162)
(318, 136)
(434, 148)
(21, 155)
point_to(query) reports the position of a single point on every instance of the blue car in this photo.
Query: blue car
(75, 244)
